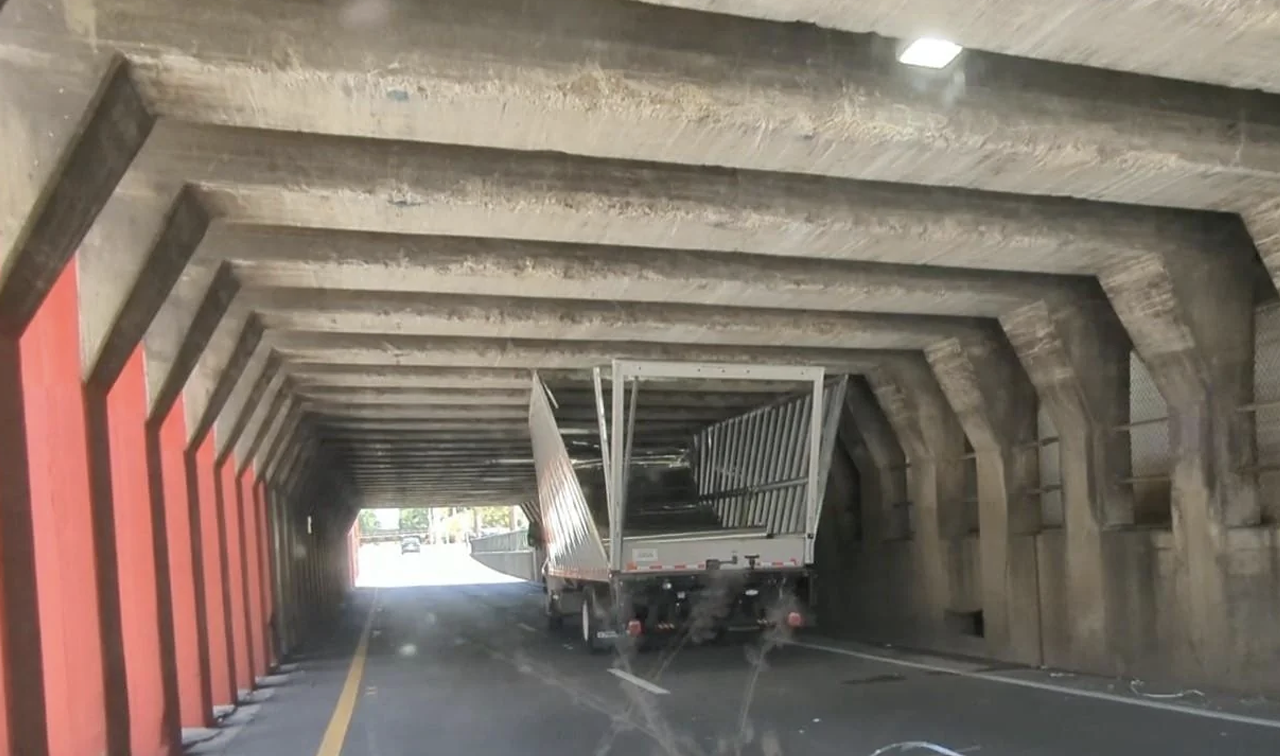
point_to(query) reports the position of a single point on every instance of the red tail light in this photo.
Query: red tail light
(634, 628)
(795, 619)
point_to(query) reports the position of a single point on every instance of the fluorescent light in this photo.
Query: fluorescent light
(928, 52)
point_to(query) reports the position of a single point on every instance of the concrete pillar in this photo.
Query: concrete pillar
(72, 126)
(64, 536)
(266, 573)
(233, 573)
(933, 441)
(22, 689)
(996, 405)
(1077, 357)
(252, 583)
(1190, 317)
(202, 490)
(186, 576)
(883, 472)
(146, 635)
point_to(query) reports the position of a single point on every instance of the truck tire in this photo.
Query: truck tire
(555, 619)
(591, 624)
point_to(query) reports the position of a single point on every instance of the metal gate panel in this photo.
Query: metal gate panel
(754, 467)
(574, 548)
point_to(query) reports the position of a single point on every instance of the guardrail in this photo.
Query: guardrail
(515, 540)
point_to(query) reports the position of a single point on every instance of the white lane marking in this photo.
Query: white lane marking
(1220, 715)
(526, 628)
(639, 682)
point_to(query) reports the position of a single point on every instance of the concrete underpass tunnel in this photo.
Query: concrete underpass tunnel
(265, 266)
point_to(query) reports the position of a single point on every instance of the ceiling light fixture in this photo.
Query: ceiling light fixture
(929, 52)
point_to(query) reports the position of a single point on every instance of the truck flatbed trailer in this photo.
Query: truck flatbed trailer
(753, 483)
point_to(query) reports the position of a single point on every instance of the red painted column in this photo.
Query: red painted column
(212, 551)
(186, 588)
(252, 573)
(149, 733)
(62, 526)
(229, 494)
(265, 570)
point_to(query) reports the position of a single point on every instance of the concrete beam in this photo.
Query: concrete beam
(410, 314)
(996, 406)
(512, 397)
(278, 391)
(1087, 35)
(568, 415)
(303, 258)
(581, 76)
(175, 344)
(250, 177)
(216, 376)
(73, 125)
(374, 349)
(129, 262)
(321, 375)
(293, 430)
(259, 373)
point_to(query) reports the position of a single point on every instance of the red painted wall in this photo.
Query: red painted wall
(253, 573)
(211, 556)
(135, 558)
(235, 576)
(57, 456)
(193, 698)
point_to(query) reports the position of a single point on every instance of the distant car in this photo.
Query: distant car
(410, 545)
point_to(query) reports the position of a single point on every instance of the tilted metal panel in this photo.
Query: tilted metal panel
(754, 468)
(573, 543)
(1266, 390)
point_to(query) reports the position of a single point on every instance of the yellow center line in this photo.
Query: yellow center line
(336, 733)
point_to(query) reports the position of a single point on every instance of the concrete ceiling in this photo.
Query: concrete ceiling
(357, 226)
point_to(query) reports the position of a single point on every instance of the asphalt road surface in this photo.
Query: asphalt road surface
(470, 668)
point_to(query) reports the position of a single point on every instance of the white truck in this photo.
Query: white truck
(715, 540)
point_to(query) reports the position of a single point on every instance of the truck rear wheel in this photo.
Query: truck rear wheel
(591, 624)
(555, 619)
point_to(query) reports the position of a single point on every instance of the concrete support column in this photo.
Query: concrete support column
(1077, 357)
(266, 573)
(1190, 317)
(65, 541)
(122, 497)
(186, 576)
(996, 405)
(228, 494)
(22, 689)
(933, 441)
(252, 584)
(883, 471)
(202, 490)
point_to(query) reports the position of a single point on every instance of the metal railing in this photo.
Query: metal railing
(515, 540)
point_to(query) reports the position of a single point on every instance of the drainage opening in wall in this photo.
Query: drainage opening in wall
(965, 623)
